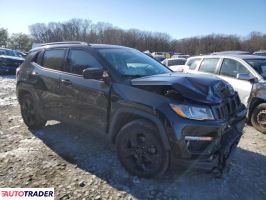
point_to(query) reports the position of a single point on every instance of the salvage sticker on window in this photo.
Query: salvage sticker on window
(26, 193)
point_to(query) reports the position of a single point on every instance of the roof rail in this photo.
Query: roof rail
(66, 42)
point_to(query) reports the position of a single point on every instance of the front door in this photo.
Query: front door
(85, 100)
(229, 70)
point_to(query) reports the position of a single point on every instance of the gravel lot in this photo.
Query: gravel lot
(82, 164)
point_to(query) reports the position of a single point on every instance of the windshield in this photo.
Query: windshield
(259, 65)
(132, 63)
(7, 52)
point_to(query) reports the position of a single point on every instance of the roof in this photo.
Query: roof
(260, 51)
(99, 46)
(75, 44)
(175, 59)
(249, 56)
(240, 56)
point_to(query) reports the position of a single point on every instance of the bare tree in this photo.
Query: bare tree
(85, 30)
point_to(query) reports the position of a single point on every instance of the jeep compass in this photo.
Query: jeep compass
(151, 114)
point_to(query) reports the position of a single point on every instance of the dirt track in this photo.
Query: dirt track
(81, 164)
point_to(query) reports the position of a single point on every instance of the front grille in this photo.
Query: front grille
(227, 108)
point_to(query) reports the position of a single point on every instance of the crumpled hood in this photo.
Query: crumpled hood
(201, 88)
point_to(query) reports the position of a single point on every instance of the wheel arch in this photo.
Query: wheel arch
(125, 115)
(253, 104)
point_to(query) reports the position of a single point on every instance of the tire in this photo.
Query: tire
(140, 149)
(258, 118)
(30, 114)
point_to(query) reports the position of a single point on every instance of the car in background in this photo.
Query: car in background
(9, 61)
(164, 54)
(20, 53)
(159, 58)
(231, 52)
(180, 56)
(175, 64)
(260, 53)
(246, 73)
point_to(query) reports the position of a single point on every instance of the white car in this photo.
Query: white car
(175, 64)
(247, 75)
(180, 56)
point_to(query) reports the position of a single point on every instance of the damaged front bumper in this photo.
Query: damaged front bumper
(208, 145)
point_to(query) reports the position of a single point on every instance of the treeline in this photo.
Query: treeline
(19, 41)
(86, 30)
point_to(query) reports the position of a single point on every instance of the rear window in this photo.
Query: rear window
(36, 57)
(209, 65)
(53, 59)
(176, 62)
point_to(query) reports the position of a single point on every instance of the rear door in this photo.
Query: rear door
(85, 100)
(46, 74)
(229, 70)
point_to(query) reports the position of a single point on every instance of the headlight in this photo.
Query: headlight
(193, 112)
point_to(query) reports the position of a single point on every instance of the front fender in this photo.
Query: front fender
(121, 112)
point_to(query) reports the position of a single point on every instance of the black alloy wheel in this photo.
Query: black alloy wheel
(140, 149)
(29, 113)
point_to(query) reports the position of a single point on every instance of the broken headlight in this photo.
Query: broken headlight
(192, 112)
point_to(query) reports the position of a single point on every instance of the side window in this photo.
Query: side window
(232, 68)
(79, 60)
(193, 63)
(209, 65)
(37, 58)
(54, 59)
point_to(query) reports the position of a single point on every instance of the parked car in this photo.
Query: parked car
(260, 53)
(20, 53)
(164, 54)
(150, 113)
(175, 64)
(231, 52)
(181, 56)
(9, 61)
(159, 58)
(246, 73)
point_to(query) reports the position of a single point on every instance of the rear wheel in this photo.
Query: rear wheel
(30, 115)
(140, 149)
(258, 118)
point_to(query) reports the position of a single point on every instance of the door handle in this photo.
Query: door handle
(66, 82)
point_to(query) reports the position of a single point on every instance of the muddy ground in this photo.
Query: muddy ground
(82, 164)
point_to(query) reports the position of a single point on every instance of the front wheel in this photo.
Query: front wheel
(30, 114)
(258, 118)
(140, 149)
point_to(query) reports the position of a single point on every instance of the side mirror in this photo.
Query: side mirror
(92, 73)
(246, 76)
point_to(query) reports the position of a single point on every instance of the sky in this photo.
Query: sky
(178, 18)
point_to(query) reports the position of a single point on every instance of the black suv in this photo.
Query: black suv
(150, 113)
